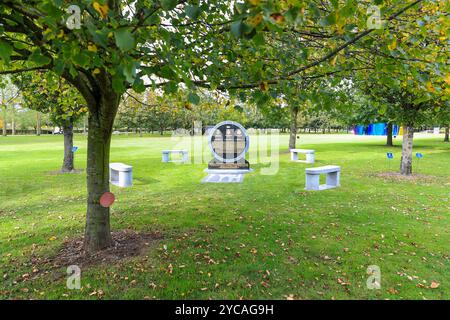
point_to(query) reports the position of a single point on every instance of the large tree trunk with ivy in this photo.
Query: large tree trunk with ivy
(293, 128)
(101, 119)
(407, 157)
(390, 129)
(68, 165)
(447, 133)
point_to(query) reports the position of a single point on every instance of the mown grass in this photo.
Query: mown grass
(266, 238)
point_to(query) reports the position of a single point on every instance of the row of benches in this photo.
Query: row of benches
(122, 175)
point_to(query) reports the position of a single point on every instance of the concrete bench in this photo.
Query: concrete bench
(313, 177)
(167, 158)
(120, 174)
(310, 155)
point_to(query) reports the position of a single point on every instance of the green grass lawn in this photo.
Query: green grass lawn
(266, 238)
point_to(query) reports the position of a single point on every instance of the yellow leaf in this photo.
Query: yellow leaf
(255, 20)
(393, 44)
(254, 2)
(430, 87)
(96, 71)
(333, 61)
(52, 238)
(92, 48)
(447, 79)
(264, 86)
(61, 34)
(48, 34)
(101, 9)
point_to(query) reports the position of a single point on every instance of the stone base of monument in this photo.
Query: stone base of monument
(237, 165)
(225, 175)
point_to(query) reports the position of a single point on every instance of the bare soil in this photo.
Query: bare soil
(126, 243)
(395, 176)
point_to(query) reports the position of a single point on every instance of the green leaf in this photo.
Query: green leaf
(237, 28)
(81, 59)
(124, 39)
(5, 51)
(117, 83)
(328, 20)
(193, 12)
(193, 98)
(258, 39)
(38, 58)
(170, 87)
(168, 4)
(129, 71)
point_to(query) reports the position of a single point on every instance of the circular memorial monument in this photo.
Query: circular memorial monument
(228, 142)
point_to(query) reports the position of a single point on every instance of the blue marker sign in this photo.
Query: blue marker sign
(419, 155)
(390, 155)
(74, 149)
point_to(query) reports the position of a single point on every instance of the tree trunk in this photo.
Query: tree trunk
(447, 131)
(4, 122)
(38, 124)
(293, 133)
(101, 119)
(389, 141)
(68, 145)
(406, 160)
(13, 123)
(84, 125)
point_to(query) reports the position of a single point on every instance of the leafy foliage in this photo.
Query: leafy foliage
(46, 93)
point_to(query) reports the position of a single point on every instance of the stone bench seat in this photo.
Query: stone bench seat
(313, 177)
(310, 155)
(166, 155)
(120, 174)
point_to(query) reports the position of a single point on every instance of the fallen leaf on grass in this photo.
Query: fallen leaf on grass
(342, 282)
(392, 291)
(434, 285)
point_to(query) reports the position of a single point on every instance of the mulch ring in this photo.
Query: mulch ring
(126, 244)
(397, 177)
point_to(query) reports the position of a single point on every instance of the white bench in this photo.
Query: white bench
(313, 177)
(121, 174)
(310, 155)
(166, 155)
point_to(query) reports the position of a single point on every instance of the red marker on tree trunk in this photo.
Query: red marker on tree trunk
(107, 199)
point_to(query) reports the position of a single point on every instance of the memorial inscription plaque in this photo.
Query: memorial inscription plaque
(228, 142)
